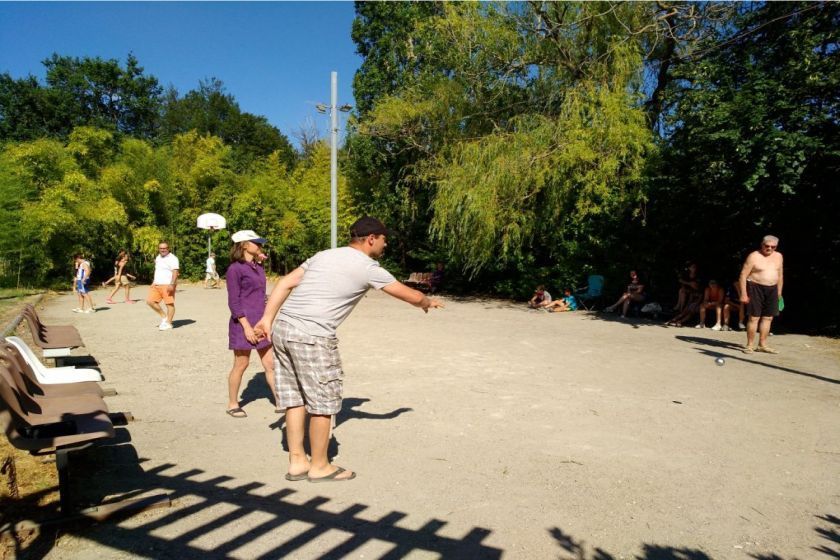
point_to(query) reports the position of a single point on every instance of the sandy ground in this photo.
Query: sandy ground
(483, 430)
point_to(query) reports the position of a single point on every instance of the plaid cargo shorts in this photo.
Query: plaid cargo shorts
(307, 370)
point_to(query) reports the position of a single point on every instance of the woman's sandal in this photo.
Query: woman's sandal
(332, 477)
(237, 413)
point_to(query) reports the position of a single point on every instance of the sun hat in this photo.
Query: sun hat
(247, 235)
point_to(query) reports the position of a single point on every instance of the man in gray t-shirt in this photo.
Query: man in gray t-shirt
(313, 300)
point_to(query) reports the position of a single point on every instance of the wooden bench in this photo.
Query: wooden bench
(419, 281)
(55, 341)
(58, 419)
(51, 425)
(50, 375)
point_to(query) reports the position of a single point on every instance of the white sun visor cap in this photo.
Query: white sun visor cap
(247, 235)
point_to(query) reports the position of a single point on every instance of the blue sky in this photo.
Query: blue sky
(274, 57)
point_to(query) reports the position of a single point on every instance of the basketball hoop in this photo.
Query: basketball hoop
(212, 223)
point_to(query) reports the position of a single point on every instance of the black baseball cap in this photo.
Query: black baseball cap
(369, 226)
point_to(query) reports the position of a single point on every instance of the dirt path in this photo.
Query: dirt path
(479, 431)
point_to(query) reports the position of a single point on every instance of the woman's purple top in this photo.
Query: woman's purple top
(246, 298)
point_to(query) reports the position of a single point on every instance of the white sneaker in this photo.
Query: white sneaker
(716, 327)
(78, 310)
(164, 326)
(89, 310)
(699, 326)
(742, 326)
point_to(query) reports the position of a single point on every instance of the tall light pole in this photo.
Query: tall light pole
(334, 109)
(334, 161)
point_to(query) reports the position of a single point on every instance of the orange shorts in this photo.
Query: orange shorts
(161, 292)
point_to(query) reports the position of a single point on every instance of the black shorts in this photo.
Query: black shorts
(764, 300)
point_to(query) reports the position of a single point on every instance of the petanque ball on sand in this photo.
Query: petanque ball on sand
(720, 361)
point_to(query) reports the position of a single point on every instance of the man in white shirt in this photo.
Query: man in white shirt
(163, 286)
(210, 272)
(313, 300)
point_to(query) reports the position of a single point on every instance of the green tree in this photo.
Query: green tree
(211, 110)
(27, 110)
(80, 92)
(291, 208)
(391, 38)
(526, 131)
(754, 148)
(387, 37)
(58, 205)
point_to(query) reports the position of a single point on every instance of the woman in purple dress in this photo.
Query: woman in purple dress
(246, 298)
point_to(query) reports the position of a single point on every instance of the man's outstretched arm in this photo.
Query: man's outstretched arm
(410, 295)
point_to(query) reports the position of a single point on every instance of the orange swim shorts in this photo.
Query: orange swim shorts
(159, 292)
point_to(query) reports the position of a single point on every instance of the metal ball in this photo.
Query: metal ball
(720, 361)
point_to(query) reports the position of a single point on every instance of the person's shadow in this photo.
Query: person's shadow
(256, 389)
(348, 411)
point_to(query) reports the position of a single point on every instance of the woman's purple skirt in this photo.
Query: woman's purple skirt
(237, 340)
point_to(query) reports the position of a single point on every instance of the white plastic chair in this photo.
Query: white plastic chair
(47, 375)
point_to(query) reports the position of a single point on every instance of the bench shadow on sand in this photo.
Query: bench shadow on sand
(213, 517)
(287, 523)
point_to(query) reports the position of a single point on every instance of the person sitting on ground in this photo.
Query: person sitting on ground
(690, 287)
(733, 301)
(540, 299)
(713, 297)
(692, 307)
(436, 278)
(565, 303)
(635, 293)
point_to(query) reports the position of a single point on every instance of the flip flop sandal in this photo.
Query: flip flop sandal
(237, 413)
(297, 477)
(332, 476)
(767, 350)
(748, 350)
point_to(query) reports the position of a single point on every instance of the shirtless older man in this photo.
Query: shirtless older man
(761, 287)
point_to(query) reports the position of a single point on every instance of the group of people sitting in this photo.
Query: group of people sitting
(756, 295)
(542, 300)
(693, 298)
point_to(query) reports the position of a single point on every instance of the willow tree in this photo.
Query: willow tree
(529, 125)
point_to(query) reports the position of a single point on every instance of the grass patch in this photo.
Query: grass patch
(10, 301)
(14, 293)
